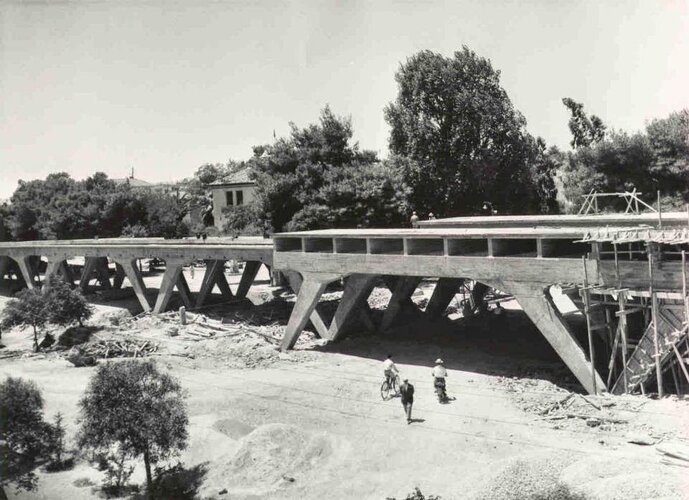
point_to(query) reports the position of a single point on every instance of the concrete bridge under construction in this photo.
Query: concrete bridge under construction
(633, 268)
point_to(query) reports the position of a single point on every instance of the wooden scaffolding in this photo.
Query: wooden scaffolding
(643, 333)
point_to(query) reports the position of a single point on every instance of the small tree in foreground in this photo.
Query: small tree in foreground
(23, 432)
(29, 308)
(135, 409)
(65, 306)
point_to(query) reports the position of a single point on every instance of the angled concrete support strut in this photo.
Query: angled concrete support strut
(539, 307)
(248, 276)
(357, 289)
(214, 275)
(173, 270)
(401, 295)
(134, 276)
(28, 270)
(119, 276)
(89, 268)
(184, 291)
(443, 293)
(295, 281)
(310, 291)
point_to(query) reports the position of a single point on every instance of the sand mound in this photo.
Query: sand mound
(531, 477)
(621, 479)
(272, 456)
(232, 428)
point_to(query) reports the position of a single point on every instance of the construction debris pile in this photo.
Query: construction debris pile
(569, 410)
(103, 349)
(244, 338)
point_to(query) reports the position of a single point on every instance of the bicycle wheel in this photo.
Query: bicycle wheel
(395, 389)
(385, 391)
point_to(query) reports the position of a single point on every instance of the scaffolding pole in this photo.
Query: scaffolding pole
(654, 319)
(588, 325)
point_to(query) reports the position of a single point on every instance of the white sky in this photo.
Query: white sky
(165, 86)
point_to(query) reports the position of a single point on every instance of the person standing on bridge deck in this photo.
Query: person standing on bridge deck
(407, 394)
(414, 219)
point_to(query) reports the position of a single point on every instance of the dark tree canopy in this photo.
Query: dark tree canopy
(62, 208)
(134, 406)
(467, 142)
(318, 178)
(657, 159)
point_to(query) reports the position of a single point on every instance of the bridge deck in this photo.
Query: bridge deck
(600, 220)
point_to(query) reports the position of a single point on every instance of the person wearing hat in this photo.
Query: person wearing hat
(414, 219)
(407, 396)
(439, 375)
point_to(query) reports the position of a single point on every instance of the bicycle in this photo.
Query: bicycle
(390, 387)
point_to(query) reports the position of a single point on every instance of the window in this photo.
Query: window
(240, 197)
(228, 198)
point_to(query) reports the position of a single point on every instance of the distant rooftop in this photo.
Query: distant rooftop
(238, 177)
(133, 182)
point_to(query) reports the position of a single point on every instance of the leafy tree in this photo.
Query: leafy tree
(29, 203)
(64, 305)
(124, 208)
(619, 163)
(309, 180)
(23, 432)
(361, 195)
(208, 172)
(669, 141)
(133, 407)
(29, 308)
(135, 231)
(544, 168)
(465, 140)
(164, 216)
(585, 130)
(242, 219)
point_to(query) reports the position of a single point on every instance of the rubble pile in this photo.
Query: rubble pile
(243, 338)
(569, 410)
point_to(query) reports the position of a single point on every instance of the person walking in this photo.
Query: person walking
(407, 394)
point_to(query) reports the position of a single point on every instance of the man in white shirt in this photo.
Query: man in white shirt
(439, 374)
(389, 368)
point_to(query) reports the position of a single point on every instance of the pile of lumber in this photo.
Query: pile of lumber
(104, 349)
(578, 406)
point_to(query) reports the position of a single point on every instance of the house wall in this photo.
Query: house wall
(220, 198)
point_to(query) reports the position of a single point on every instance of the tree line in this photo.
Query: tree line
(456, 141)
